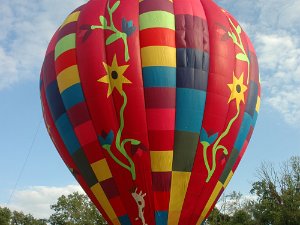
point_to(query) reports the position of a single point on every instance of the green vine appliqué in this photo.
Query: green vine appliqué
(237, 93)
(237, 40)
(127, 28)
(115, 79)
(120, 144)
(206, 143)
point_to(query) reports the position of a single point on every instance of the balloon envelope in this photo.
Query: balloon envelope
(151, 105)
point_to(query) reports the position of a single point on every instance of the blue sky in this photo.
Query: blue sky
(27, 26)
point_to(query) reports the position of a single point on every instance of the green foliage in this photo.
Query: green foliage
(218, 218)
(18, 218)
(5, 215)
(276, 194)
(233, 211)
(241, 217)
(75, 209)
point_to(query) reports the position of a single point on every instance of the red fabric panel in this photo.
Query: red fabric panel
(191, 7)
(159, 140)
(217, 113)
(104, 110)
(65, 60)
(119, 208)
(163, 37)
(162, 200)
(156, 119)
(86, 133)
(160, 97)
(78, 114)
(93, 151)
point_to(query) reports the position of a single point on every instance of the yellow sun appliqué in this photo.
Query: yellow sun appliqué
(237, 89)
(114, 77)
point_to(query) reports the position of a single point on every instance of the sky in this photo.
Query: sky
(25, 30)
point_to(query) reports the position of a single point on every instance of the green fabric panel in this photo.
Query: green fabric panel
(230, 163)
(185, 148)
(66, 43)
(157, 19)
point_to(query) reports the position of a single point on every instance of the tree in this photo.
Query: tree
(75, 209)
(232, 210)
(5, 215)
(19, 218)
(8, 217)
(216, 217)
(241, 217)
(276, 199)
(278, 194)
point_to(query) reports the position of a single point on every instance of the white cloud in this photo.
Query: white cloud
(279, 56)
(283, 16)
(275, 30)
(37, 200)
(25, 30)
(228, 205)
(27, 26)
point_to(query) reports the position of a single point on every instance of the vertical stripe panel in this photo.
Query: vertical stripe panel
(192, 61)
(179, 186)
(71, 92)
(158, 54)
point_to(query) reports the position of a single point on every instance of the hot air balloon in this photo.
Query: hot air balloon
(151, 104)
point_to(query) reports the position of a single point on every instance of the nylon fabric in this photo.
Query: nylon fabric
(151, 105)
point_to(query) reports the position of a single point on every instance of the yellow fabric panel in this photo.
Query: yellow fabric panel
(67, 78)
(71, 18)
(101, 170)
(179, 185)
(102, 199)
(161, 161)
(228, 179)
(173, 217)
(257, 104)
(211, 200)
(158, 56)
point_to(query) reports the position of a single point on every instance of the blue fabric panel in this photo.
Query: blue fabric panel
(191, 78)
(192, 68)
(254, 119)
(252, 98)
(66, 132)
(159, 76)
(54, 100)
(124, 220)
(192, 58)
(72, 96)
(161, 217)
(190, 105)
(244, 130)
